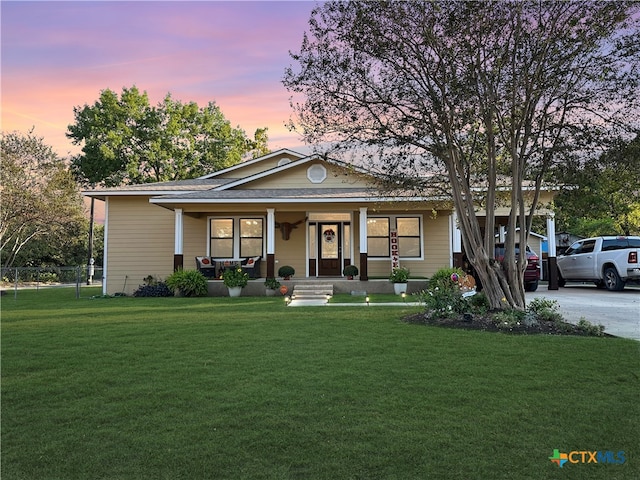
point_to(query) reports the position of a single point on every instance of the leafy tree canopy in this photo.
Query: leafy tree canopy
(41, 221)
(603, 197)
(469, 98)
(125, 140)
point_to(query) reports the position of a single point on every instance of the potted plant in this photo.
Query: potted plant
(399, 277)
(350, 271)
(272, 285)
(286, 272)
(235, 279)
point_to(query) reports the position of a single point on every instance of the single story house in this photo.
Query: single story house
(315, 214)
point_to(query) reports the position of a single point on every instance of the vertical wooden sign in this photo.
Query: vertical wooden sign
(395, 251)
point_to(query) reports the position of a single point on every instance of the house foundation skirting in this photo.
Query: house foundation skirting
(256, 288)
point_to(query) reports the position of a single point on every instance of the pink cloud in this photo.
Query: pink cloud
(57, 55)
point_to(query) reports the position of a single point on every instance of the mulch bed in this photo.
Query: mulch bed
(486, 323)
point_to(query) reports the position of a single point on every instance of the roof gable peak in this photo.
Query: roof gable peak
(253, 161)
(281, 168)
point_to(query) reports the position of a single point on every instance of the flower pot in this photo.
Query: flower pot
(270, 292)
(350, 277)
(234, 291)
(400, 288)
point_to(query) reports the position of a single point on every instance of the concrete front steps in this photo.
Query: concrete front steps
(310, 294)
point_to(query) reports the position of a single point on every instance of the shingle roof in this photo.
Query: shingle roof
(194, 184)
(291, 193)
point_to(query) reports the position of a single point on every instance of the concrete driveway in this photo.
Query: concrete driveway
(619, 312)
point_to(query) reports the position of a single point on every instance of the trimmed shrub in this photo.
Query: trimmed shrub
(508, 319)
(589, 328)
(479, 303)
(350, 271)
(153, 288)
(442, 279)
(443, 297)
(545, 310)
(286, 271)
(188, 283)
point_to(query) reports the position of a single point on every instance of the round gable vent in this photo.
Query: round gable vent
(284, 161)
(316, 173)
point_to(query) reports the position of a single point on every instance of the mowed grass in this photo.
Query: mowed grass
(246, 388)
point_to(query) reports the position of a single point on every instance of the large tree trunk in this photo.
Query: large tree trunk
(495, 285)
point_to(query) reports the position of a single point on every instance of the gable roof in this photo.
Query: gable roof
(265, 180)
(253, 161)
(157, 188)
(283, 168)
(211, 186)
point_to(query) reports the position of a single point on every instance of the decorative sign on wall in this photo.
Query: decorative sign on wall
(395, 251)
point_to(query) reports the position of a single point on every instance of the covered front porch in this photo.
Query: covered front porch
(318, 241)
(256, 287)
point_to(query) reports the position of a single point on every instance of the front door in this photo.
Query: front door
(330, 250)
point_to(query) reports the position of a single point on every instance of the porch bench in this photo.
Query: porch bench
(212, 267)
(223, 264)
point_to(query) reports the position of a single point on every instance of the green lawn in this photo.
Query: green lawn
(246, 388)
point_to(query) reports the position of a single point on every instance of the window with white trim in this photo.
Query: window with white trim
(251, 237)
(221, 242)
(236, 237)
(378, 237)
(409, 236)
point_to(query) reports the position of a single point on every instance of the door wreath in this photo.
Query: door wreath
(329, 235)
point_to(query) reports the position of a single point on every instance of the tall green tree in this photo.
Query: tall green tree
(41, 219)
(468, 98)
(603, 193)
(125, 140)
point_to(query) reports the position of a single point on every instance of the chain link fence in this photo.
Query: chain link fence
(18, 278)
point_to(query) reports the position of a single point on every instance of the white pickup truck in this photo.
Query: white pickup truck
(610, 262)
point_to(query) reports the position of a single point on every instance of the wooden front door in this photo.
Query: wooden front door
(330, 251)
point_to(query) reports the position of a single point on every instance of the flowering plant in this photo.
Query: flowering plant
(399, 275)
(235, 277)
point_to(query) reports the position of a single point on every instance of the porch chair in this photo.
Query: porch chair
(206, 266)
(251, 266)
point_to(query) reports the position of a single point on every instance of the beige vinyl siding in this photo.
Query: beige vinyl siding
(292, 252)
(297, 178)
(194, 239)
(140, 243)
(435, 248)
(244, 171)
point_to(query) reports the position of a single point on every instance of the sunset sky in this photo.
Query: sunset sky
(58, 55)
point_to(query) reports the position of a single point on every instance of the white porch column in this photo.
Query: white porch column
(178, 258)
(178, 232)
(364, 257)
(456, 241)
(271, 242)
(552, 265)
(363, 230)
(271, 231)
(551, 235)
(502, 233)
